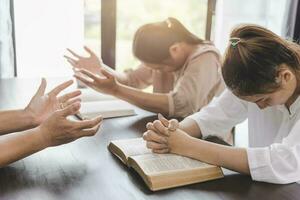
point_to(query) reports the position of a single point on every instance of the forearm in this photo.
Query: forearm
(153, 102)
(15, 120)
(16, 146)
(190, 127)
(228, 157)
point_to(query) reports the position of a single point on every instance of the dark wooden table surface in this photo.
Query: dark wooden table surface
(86, 170)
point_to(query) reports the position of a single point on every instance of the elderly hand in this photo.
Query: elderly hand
(57, 129)
(42, 105)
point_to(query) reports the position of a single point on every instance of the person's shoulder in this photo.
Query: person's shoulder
(205, 51)
(204, 56)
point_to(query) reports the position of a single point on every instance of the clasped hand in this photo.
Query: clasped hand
(164, 136)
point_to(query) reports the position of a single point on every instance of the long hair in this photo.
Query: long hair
(152, 41)
(253, 59)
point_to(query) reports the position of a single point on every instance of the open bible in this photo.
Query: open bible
(88, 95)
(107, 109)
(95, 104)
(162, 171)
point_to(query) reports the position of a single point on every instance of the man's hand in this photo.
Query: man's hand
(58, 130)
(42, 105)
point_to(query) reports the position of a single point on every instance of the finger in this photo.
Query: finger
(161, 128)
(88, 132)
(60, 88)
(68, 96)
(163, 120)
(150, 126)
(71, 59)
(74, 54)
(84, 80)
(71, 101)
(106, 73)
(89, 51)
(89, 74)
(173, 124)
(42, 88)
(72, 63)
(90, 123)
(154, 137)
(161, 151)
(70, 109)
(154, 145)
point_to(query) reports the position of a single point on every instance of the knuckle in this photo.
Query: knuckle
(152, 134)
(149, 125)
(161, 140)
(95, 122)
(145, 136)
(91, 133)
(156, 122)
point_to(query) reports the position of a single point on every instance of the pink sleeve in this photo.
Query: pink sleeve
(140, 77)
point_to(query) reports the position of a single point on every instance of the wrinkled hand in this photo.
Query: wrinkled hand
(91, 63)
(105, 84)
(42, 105)
(164, 136)
(57, 129)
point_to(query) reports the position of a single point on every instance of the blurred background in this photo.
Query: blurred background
(35, 33)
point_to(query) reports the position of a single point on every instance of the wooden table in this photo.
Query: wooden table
(86, 170)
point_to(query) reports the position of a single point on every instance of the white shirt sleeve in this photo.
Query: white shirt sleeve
(278, 163)
(220, 115)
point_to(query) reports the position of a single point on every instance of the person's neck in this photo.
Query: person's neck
(293, 98)
(189, 49)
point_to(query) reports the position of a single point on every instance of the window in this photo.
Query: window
(192, 13)
(43, 30)
(267, 13)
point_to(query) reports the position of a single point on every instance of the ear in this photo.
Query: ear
(285, 75)
(175, 50)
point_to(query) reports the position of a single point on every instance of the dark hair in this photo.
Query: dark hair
(152, 41)
(253, 58)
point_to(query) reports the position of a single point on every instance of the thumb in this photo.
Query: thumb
(173, 125)
(70, 109)
(42, 88)
(107, 74)
(163, 120)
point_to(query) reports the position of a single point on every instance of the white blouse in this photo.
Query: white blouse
(274, 135)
